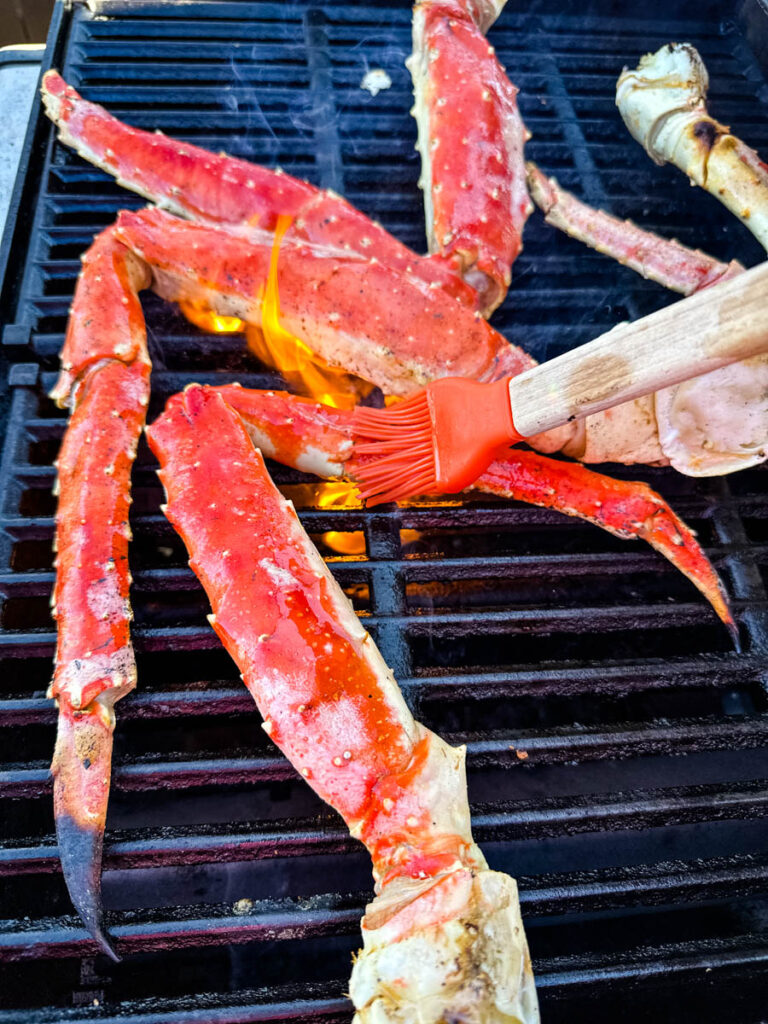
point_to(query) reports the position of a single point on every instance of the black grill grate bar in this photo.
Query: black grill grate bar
(57, 940)
(617, 681)
(556, 746)
(452, 625)
(212, 1010)
(333, 914)
(590, 813)
(695, 957)
(607, 564)
(424, 516)
(189, 846)
(572, 891)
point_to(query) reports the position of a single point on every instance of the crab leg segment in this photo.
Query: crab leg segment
(105, 380)
(662, 260)
(471, 139)
(385, 326)
(663, 103)
(219, 189)
(317, 439)
(444, 932)
(626, 508)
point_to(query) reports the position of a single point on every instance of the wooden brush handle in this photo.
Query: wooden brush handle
(720, 325)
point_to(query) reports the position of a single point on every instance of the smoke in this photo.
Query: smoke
(240, 96)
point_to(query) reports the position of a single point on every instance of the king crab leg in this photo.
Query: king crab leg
(317, 439)
(216, 189)
(105, 382)
(471, 139)
(662, 260)
(384, 325)
(443, 939)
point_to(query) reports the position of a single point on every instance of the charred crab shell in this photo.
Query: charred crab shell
(671, 82)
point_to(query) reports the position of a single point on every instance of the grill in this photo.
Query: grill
(635, 823)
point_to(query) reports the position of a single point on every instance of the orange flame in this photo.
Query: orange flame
(341, 494)
(303, 369)
(277, 348)
(203, 316)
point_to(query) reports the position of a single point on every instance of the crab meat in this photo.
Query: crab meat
(663, 103)
(470, 138)
(443, 939)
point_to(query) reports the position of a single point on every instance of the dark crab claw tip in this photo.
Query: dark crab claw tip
(81, 768)
(80, 852)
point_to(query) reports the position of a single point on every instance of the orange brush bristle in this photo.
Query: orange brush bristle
(438, 441)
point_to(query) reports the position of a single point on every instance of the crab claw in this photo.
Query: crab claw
(81, 767)
(626, 508)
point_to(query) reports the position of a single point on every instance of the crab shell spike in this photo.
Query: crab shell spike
(470, 138)
(443, 938)
(663, 104)
(397, 338)
(219, 189)
(320, 438)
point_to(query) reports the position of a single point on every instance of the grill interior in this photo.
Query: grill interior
(634, 823)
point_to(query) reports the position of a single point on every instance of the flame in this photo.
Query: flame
(410, 536)
(330, 494)
(341, 494)
(352, 543)
(278, 348)
(203, 316)
(338, 494)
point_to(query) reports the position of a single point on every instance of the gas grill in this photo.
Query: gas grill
(616, 741)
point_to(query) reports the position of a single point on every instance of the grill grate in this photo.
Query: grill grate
(635, 824)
